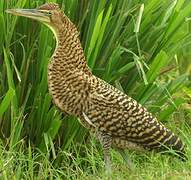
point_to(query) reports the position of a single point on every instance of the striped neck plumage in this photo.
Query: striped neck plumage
(68, 53)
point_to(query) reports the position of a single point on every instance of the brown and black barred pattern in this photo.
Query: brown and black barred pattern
(129, 123)
(100, 106)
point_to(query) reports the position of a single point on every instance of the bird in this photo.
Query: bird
(117, 120)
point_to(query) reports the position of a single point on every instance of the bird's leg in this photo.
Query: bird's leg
(107, 158)
(126, 158)
(106, 141)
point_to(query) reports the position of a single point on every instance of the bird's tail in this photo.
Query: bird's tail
(163, 139)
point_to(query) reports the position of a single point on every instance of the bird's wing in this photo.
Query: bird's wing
(114, 112)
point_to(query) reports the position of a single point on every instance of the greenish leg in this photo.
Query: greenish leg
(106, 141)
(126, 158)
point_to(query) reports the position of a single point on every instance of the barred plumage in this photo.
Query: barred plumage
(118, 120)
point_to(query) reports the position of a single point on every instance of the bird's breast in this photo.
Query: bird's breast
(67, 90)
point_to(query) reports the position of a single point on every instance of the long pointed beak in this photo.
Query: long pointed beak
(30, 13)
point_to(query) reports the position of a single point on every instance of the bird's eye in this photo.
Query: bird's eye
(48, 13)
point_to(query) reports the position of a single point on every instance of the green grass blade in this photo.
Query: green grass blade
(6, 101)
(160, 61)
(94, 37)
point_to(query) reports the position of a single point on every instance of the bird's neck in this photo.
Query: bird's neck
(66, 72)
(69, 54)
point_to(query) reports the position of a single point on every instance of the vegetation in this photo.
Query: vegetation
(141, 47)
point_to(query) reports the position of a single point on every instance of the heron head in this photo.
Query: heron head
(49, 14)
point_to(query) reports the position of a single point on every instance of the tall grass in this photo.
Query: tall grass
(134, 45)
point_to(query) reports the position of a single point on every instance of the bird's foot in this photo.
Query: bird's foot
(108, 165)
(126, 159)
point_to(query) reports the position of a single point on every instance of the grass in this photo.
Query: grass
(140, 49)
(29, 165)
